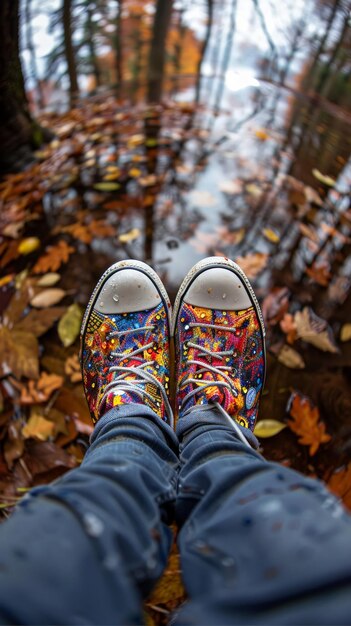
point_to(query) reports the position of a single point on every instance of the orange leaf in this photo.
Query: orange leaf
(53, 259)
(306, 424)
(319, 273)
(36, 392)
(252, 264)
(340, 484)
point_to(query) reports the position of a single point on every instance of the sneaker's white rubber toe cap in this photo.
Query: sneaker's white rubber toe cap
(218, 288)
(127, 291)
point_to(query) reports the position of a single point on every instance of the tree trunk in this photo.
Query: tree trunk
(91, 44)
(69, 50)
(204, 48)
(39, 97)
(19, 134)
(118, 46)
(158, 49)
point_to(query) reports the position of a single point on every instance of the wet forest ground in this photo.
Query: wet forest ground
(265, 183)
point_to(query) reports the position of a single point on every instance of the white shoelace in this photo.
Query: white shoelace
(142, 377)
(218, 371)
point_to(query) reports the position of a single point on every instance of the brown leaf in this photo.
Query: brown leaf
(19, 353)
(320, 273)
(38, 427)
(306, 424)
(39, 322)
(340, 484)
(47, 297)
(14, 445)
(315, 330)
(275, 305)
(252, 264)
(288, 326)
(54, 258)
(36, 392)
(72, 369)
(18, 303)
(44, 456)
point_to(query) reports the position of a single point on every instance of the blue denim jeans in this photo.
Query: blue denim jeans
(259, 543)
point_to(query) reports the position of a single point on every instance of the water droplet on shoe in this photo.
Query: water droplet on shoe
(115, 297)
(224, 296)
(101, 304)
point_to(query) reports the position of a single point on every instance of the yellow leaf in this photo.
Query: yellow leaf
(345, 333)
(261, 134)
(268, 428)
(271, 235)
(107, 186)
(326, 180)
(130, 235)
(28, 245)
(134, 172)
(136, 140)
(69, 325)
(38, 428)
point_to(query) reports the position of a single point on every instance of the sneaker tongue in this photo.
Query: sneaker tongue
(117, 398)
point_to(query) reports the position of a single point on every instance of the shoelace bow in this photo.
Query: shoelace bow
(217, 371)
(141, 377)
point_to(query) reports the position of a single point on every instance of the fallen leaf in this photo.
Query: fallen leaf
(14, 444)
(231, 187)
(333, 232)
(345, 333)
(48, 280)
(340, 484)
(309, 232)
(73, 369)
(306, 424)
(252, 264)
(254, 190)
(136, 140)
(312, 196)
(268, 428)
(271, 235)
(42, 457)
(54, 258)
(148, 181)
(107, 186)
(39, 322)
(261, 134)
(288, 326)
(19, 353)
(69, 325)
(275, 305)
(26, 246)
(131, 235)
(322, 178)
(39, 391)
(291, 358)
(5, 280)
(315, 330)
(47, 298)
(38, 427)
(320, 273)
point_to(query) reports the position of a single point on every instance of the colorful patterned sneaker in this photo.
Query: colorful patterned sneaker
(219, 337)
(125, 341)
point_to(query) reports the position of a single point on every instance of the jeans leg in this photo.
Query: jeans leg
(259, 542)
(87, 548)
